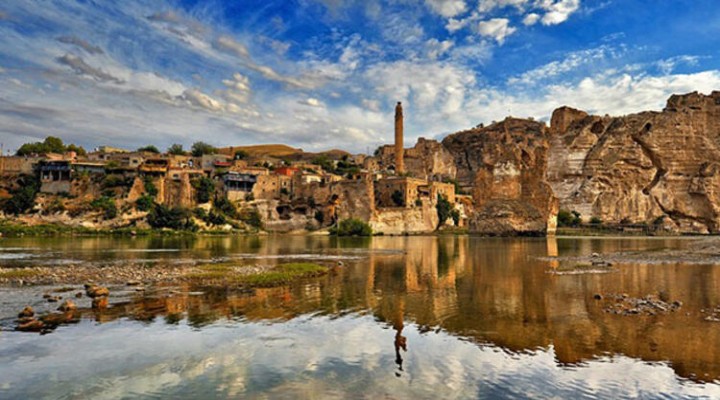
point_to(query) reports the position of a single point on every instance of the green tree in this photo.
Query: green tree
(79, 150)
(106, 205)
(144, 203)
(241, 155)
(176, 150)
(150, 149)
(204, 189)
(23, 198)
(177, 218)
(444, 209)
(201, 148)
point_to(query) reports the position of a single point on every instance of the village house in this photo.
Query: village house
(55, 176)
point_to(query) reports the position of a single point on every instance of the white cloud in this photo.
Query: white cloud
(202, 100)
(531, 19)
(447, 8)
(668, 65)
(557, 11)
(485, 6)
(569, 62)
(436, 48)
(496, 28)
(232, 46)
(312, 102)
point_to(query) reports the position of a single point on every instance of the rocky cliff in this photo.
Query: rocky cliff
(659, 168)
(503, 167)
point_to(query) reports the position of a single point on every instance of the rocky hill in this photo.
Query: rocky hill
(658, 168)
(503, 167)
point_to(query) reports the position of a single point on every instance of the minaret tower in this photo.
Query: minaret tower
(399, 149)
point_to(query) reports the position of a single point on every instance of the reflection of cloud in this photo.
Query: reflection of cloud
(83, 68)
(342, 357)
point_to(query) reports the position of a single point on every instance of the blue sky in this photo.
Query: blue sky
(320, 74)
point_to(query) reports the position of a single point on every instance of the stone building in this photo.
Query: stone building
(55, 176)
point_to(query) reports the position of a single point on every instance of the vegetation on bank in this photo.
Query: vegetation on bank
(228, 274)
(351, 227)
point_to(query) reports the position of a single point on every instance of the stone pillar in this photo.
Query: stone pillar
(399, 149)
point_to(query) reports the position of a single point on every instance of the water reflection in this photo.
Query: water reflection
(489, 292)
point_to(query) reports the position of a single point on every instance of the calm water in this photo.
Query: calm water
(406, 317)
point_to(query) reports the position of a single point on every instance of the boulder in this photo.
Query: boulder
(26, 312)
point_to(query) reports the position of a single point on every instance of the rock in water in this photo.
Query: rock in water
(31, 326)
(26, 312)
(97, 291)
(67, 305)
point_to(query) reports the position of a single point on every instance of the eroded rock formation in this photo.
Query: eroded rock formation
(503, 167)
(659, 168)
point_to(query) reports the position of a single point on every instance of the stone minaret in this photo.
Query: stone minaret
(399, 162)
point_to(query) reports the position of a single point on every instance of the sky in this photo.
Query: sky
(322, 74)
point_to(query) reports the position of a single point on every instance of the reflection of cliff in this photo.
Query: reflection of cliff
(489, 291)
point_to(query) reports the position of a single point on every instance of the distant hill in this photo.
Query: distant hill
(281, 151)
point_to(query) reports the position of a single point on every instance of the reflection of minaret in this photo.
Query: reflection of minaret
(399, 162)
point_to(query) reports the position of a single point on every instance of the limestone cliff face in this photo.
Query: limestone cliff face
(428, 159)
(503, 166)
(643, 167)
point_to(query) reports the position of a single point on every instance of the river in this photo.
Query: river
(403, 317)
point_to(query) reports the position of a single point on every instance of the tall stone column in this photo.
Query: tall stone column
(399, 149)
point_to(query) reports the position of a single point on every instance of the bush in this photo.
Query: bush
(251, 217)
(23, 198)
(54, 207)
(149, 149)
(144, 203)
(352, 227)
(150, 188)
(200, 148)
(319, 216)
(455, 215)
(177, 218)
(177, 150)
(595, 221)
(226, 207)
(241, 155)
(215, 218)
(106, 205)
(443, 209)
(567, 218)
(204, 189)
(111, 181)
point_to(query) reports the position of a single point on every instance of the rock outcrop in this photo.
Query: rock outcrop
(660, 168)
(503, 167)
(428, 159)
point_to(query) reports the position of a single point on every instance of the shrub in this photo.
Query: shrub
(144, 203)
(200, 148)
(241, 155)
(55, 206)
(567, 218)
(251, 217)
(149, 149)
(215, 218)
(112, 180)
(23, 198)
(226, 207)
(352, 227)
(106, 205)
(249, 197)
(204, 189)
(595, 221)
(150, 188)
(177, 218)
(455, 215)
(319, 216)
(443, 209)
(177, 150)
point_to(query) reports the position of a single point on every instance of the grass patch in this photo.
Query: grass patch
(283, 274)
(18, 273)
(278, 276)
